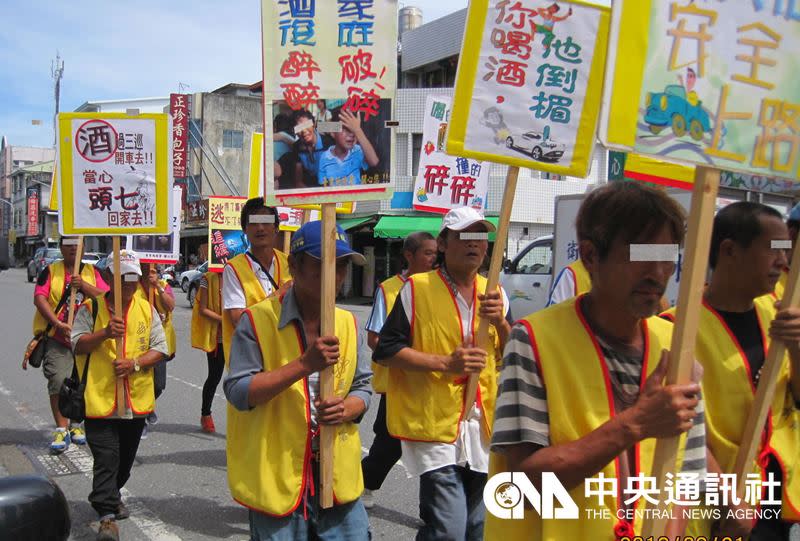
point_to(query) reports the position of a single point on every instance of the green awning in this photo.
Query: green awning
(349, 223)
(399, 227)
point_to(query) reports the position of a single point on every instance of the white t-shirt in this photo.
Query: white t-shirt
(232, 291)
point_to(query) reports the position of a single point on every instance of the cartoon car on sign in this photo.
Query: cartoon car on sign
(673, 108)
(537, 145)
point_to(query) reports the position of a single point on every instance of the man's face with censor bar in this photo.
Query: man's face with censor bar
(632, 284)
(465, 254)
(261, 229)
(758, 267)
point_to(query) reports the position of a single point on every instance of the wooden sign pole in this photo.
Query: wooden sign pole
(287, 241)
(751, 437)
(495, 266)
(118, 312)
(687, 317)
(327, 328)
(76, 269)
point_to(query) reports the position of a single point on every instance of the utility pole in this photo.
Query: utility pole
(57, 72)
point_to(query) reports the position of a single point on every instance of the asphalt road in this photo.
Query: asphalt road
(178, 487)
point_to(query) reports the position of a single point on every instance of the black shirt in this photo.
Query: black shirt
(747, 332)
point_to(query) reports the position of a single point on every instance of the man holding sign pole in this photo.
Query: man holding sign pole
(581, 393)
(51, 298)
(273, 383)
(428, 343)
(738, 320)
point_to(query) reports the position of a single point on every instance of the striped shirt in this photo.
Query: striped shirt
(521, 414)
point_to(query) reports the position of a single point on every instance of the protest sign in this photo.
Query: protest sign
(115, 173)
(161, 248)
(329, 80)
(529, 84)
(705, 83)
(225, 236)
(444, 182)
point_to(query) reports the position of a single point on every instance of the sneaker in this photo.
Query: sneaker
(368, 499)
(207, 424)
(122, 512)
(77, 435)
(144, 432)
(109, 531)
(152, 418)
(60, 440)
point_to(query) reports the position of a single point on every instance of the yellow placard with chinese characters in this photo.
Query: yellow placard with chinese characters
(706, 83)
(225, 236)
(529, 84)
(115, 174)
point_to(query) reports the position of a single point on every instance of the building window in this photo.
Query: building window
(416, 148)
(232, 139)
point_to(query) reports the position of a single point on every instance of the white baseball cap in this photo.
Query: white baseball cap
(459, 219)
(128, 263)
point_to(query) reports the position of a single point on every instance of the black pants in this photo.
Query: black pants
(216, 364)
(383, 454)
(114, 443)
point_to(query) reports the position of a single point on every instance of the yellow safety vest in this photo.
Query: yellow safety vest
(101, 387)
(390, 288)
(204, 330)
(780, 287)
(269, 446)
(169, 329)
(58, 283)
(579, 400)
(428, 406)
(581, 277)
(253, 292)
(728, 392)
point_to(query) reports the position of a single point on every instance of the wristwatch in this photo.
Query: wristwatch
(136, 367)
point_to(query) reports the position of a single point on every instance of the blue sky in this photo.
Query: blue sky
(117, 50)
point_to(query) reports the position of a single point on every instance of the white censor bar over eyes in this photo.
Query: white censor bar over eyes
(667, 253)
(130, 277)
(262, 219)
(74, 242)
(781, 245)
(474, 236)
(306, 125)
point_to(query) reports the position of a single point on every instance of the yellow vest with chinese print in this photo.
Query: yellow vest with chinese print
(428, 406)
(58, 282)
(169, 328)
(269, 446)
(579, 401)
(101, 386)
(728, 393)
(390, 288)
(204, 330)
(253, 292)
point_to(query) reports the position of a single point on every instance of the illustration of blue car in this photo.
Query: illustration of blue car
(673, 108)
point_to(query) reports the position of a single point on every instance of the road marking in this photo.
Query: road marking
(194, 386)
(144, 519)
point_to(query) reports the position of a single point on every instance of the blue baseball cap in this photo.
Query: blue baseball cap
(308, 239)
(794, 214)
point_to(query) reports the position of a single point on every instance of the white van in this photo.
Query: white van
(528, 277)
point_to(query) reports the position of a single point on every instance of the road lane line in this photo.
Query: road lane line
(144, 519)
